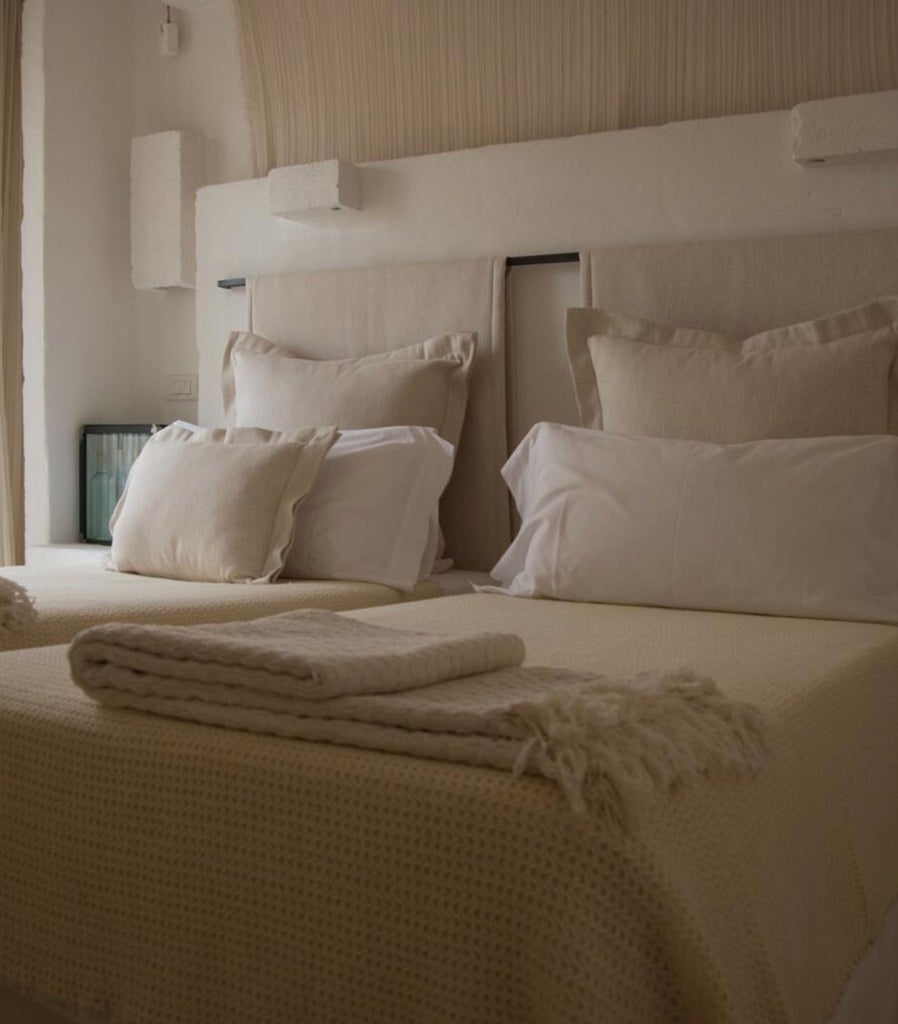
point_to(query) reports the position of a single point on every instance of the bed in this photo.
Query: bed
(347, 885)
(159, 870)
(324, 316)
(69, 599)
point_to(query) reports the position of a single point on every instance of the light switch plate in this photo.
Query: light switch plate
(180, 387)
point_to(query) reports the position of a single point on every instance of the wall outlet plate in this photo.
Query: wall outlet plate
(181, 387)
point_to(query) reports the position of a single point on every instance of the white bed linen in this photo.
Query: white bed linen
(796, 526)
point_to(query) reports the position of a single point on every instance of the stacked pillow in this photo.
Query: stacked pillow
(423, 385)
(372, 514)
(744, 476)
(821, 378)
(277, 494)
(215, 505)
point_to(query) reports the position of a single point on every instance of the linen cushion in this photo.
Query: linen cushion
(215, 505)
(804, 526)
(830, 376)
(423, 385)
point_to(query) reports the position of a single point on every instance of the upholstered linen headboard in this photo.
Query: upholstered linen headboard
(741, 286)
(734, 286)
(335, 314)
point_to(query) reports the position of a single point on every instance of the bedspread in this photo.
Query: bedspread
(156, 870)
(69, 599)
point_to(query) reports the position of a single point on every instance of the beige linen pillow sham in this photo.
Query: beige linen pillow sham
(215, 505)
(833, 376)
(422, 385)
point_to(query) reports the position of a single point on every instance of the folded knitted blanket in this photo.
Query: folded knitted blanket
(614, 746)
(16, 606)
(311, 654)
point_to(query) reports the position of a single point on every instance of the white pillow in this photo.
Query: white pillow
(372, 514)
(805, 527)
(215, 505)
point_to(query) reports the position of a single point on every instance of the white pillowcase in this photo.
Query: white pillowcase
(372, 514)
(803, 527)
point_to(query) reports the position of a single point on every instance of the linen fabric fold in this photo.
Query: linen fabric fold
(308, 654)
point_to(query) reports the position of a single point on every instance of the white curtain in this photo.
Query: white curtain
(11, 468)
(376, 79)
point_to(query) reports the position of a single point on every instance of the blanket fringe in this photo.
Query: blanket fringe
(616, 746)
(17, 609)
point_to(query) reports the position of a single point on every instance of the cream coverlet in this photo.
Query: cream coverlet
(69, 599)
(157, 870)
(614, 745)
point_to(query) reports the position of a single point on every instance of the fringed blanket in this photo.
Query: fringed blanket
(614, 745)
(16, 607)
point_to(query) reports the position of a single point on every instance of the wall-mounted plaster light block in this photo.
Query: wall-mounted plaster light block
(848, 128)
(309, 190)
(196, 5)
(166, 171)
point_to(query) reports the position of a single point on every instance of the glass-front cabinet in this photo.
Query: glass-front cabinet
(108, 451)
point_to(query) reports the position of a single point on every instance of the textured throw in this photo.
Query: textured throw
(616, 745)
(16, 607)
(309, 655)
(613, 745)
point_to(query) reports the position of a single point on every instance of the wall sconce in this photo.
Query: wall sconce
(846, 129)
(310, 190)
(166, 171)
(195, 5)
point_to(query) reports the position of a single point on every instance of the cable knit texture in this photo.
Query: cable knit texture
(309, 655)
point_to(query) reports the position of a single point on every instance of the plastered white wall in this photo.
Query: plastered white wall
(95, 348)
(79, 359)
(722, 177)
(198, 91)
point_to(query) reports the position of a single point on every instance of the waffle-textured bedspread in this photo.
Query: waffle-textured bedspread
(71, 598)
(614, 745)
(156, 870)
